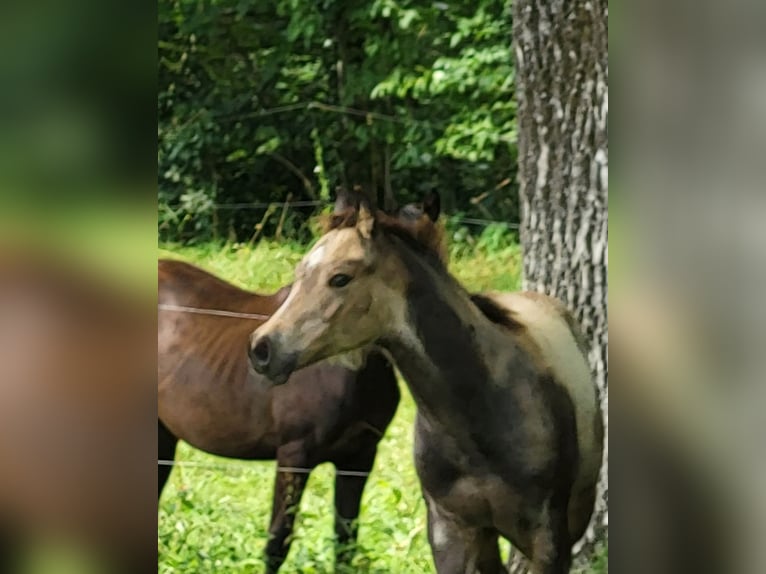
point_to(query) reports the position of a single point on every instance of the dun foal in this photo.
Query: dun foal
(209, 397)
(508, 436)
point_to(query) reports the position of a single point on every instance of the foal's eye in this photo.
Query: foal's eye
(340, 280)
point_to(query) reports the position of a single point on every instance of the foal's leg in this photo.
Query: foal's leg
(552, 546)
(348, 496)
(166, 450)
(458, 549)
(288, 489)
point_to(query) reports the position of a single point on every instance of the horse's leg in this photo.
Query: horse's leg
(348, 496)
(166, 450)
(488, 557)
(551, 545)
(458, 549)
(288, 489)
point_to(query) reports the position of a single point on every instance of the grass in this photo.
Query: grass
(269, 265)
(215, 520)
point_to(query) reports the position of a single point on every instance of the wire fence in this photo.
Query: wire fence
(314, 105)
(259, 205)
(232, 466)
(266, 205)
(214, 312)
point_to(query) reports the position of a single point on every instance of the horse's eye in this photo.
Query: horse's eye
(340, 280)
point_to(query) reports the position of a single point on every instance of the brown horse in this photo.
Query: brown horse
(508, 432)
(76, 413)
(209, 397)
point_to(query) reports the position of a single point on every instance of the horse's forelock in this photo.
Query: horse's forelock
(422, 233)
(340, 219)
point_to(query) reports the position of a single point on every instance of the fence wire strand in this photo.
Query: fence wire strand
(320, 203)
(215, 312)
(266, 205)
(244, 467)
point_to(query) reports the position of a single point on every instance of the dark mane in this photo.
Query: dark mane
(422, 235)
(495, 312)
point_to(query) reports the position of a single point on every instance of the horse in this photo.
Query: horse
(209, 397)
(77, 409)
(508, 433)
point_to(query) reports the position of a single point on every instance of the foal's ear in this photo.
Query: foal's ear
(432, 205)
(365, 222)
(344, 200)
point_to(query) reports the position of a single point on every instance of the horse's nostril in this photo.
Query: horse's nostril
(261, 352)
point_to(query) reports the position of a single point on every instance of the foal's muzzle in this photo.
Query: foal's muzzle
(266, 358)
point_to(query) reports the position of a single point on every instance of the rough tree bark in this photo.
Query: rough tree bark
(562, 88)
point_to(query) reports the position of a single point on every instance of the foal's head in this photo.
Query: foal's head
(349, 290)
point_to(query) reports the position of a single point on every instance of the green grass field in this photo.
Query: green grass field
(215, 520)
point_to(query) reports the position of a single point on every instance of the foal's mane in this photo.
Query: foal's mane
(495, 313)
(422, 235)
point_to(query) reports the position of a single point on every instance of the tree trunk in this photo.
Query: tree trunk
(562, 89)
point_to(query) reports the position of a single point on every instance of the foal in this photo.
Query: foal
(508, 435)
(208, 396)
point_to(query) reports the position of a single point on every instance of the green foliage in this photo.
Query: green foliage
(600, 564)
(254, 98)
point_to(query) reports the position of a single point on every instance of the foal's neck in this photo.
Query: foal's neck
(449, 351)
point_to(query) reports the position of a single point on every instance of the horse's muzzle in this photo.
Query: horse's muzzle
(267, 359)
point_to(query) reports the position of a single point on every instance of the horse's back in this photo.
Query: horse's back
(178, 279)
(182, 283)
